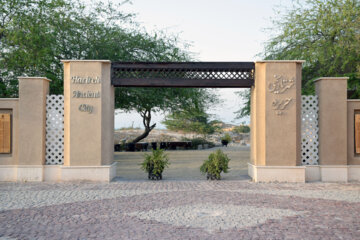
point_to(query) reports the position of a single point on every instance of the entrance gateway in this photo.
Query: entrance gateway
(275, 111)
(294, 138)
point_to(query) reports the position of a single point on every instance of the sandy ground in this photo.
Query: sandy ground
(164, 135)
(185, 164)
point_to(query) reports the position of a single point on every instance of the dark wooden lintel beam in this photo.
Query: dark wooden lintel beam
(219, 66)
(191, 83)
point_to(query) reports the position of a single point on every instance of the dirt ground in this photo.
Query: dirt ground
(164, 135)
(185, 164)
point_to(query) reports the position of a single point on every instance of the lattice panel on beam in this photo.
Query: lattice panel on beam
(54, 130)
(183, 74)
(309, 130)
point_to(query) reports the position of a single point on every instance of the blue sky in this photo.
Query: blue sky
(226, 30)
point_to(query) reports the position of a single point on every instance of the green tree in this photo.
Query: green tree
(324, 33)
(191, 120)
(167, 100)
(245, 110)
(35, 35)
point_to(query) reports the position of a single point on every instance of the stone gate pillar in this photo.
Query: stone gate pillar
(276, 122)
(31, 130)
(332, 93)
(88, 121)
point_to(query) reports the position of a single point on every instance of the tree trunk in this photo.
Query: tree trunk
(146, 115)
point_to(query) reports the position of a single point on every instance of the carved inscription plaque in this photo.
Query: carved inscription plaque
(81, 94)
(279, 86)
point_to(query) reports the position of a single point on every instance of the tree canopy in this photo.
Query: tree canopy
(168, 100)
(192, 120)
(35, 35)
(324, 33)
(245, 110)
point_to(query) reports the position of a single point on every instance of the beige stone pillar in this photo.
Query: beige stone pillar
(32, 123)
(276, 122)
(332, 93)
(88, 120)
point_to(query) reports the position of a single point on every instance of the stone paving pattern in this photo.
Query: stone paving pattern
(179, 210)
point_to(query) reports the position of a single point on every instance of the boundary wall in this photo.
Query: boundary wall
(89, 127)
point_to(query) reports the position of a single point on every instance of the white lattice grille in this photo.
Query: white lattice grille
(309, 130)
(54, 129)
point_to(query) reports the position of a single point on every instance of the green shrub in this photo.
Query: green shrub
(216, 163)
(195, 142)
(201, 141)
(155, 163)
(242, 129)
(226, 137)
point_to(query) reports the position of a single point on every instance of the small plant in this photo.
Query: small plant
(155, 163)
(216, 163)
(226, 139)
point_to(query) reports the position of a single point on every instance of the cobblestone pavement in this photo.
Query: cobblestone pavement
(179, 210)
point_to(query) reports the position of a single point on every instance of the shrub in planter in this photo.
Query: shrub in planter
(216, 163)
(155, 163)
(224, 143)
(226, 139)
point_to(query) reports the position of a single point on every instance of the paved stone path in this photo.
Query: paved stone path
(179, 210)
